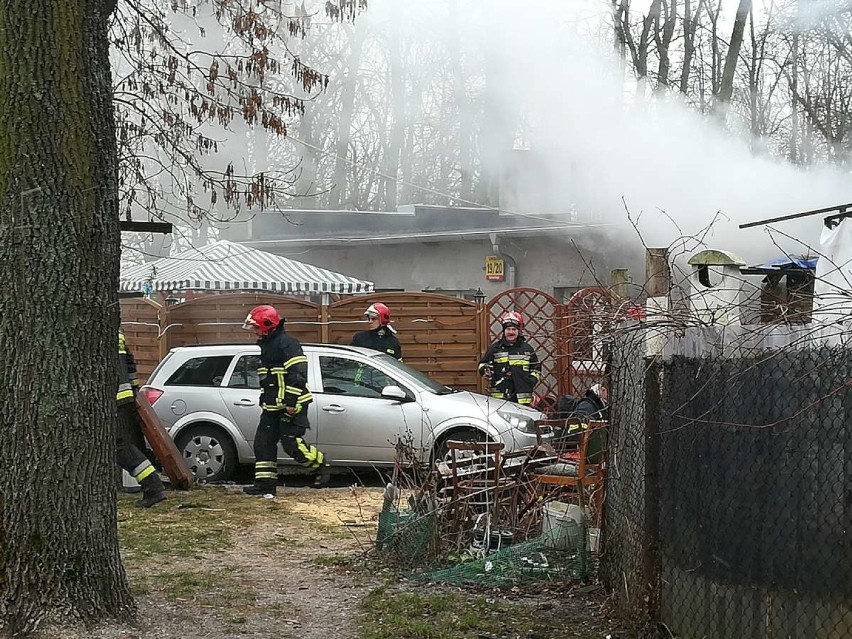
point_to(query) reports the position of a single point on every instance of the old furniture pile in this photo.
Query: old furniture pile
(483, 515)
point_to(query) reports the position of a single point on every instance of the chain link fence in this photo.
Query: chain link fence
(627, 565)
(729, 498)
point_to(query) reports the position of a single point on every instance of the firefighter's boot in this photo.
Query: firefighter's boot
(153, 491)
(261, 487)
(322, 476)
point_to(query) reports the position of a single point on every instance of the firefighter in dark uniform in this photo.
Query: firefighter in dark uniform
(284, 398)
(511, 363)
(381, 336)
(129, 441)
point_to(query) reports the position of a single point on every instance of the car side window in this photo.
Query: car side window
(342, 376)
(201, 371)
(245, 373)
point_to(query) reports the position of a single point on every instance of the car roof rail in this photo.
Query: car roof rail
(208, 345)
(339, 347)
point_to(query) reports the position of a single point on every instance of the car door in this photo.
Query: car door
(355, 423)
(193, 388)
(241, 394)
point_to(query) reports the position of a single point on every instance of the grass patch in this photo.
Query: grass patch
(334, 531)
(386, 614)
(188, 523)
(332, 561)
(280, 542)
(203, 588)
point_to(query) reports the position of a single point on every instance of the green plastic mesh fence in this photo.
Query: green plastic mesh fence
(406, 538)
(560, 554)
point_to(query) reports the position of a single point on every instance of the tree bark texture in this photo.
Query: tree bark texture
(59, 255)
(726, 87)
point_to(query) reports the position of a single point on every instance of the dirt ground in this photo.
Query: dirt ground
(213, 562)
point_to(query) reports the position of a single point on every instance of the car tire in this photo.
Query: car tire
(208, 451)
(442, 453)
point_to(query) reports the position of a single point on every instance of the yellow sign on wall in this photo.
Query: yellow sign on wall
(494, 269)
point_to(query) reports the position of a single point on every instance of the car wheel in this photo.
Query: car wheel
(208, 451)
(442, 452)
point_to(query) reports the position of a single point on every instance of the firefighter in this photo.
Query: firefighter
(511, 363)
(129, 441)
(284, 399)
(381, 336)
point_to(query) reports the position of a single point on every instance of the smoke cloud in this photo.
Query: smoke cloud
(602, 149)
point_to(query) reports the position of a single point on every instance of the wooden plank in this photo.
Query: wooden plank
(146, 227)
(428, 367)
(443, 338)
(456, 351)
(164, 448)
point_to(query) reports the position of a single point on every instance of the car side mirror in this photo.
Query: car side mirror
(396, 393)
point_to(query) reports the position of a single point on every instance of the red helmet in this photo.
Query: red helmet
(381, 311)
(265, 318)
(511, 318)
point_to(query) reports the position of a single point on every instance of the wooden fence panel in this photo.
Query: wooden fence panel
(140, 321)
(218, 319)
(440, 335)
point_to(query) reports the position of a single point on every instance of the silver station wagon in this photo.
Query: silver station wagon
(364, 403)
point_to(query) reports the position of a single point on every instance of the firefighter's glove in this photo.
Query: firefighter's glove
(487, 370)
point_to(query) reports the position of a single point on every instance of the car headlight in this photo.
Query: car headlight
(521, 422)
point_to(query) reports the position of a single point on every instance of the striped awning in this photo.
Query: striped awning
(226, 266)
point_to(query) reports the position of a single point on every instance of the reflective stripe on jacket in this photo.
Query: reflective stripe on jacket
(515, 370)
(283, 374)
(128, 379)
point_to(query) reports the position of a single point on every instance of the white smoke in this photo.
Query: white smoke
(604, 149)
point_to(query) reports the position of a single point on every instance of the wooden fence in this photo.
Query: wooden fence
(142, 325)
(440, 335)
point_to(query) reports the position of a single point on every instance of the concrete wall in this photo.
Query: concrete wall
(544, 263)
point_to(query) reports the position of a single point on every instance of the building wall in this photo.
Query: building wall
(545, 263)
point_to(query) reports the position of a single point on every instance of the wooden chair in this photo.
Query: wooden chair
(483, 488)
(565, 433)
(590, 466)
(486, 452)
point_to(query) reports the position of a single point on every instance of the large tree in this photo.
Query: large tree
(59, 254)
(61, 184)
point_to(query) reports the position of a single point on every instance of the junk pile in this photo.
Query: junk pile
(483, 516)
(560, 553)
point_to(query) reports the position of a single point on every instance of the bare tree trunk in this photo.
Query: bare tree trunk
(306, 182)
(339, 193)
(793, 153)
(397, 130)
(59, 254)
(690, 24)
(648, 24)
(755, 120)
(715, 54)
(465, 121)
(621, 28)
(726, 87)
(663, 37)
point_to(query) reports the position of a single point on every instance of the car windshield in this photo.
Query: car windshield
(422, 378)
